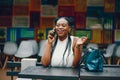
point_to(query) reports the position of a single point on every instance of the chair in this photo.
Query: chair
(117, 54)
(109, 52)
(34, 46)
(0, 58)
(26, 62)
(41, 47)
(27, 48)
(92, 45)
(10, 48)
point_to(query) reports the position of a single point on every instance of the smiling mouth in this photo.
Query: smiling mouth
(60, 31)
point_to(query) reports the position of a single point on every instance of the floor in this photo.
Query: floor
(3, 75)
(3, 71)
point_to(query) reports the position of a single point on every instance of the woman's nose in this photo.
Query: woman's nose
(60, 26)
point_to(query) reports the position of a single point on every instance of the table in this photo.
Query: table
(110, 72)
(40, 72)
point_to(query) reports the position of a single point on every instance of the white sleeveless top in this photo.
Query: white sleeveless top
(57, 58)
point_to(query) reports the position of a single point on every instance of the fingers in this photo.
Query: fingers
(52, 33)
(51, 38)
(84, 38)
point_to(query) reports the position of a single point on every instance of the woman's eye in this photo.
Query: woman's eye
(63, 25)
(57, 25)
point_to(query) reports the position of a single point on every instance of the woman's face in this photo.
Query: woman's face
(62, 27)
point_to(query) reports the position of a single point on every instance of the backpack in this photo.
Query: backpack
(93, 60)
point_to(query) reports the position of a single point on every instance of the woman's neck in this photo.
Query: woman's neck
(61, 38)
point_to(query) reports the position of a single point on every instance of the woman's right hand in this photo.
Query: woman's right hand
(51, 38)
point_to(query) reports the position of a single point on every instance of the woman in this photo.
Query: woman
(62, 50)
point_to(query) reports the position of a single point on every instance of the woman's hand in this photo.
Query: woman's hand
(81, 40)
(51, 38)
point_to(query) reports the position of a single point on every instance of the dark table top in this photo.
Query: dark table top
(40, 72)
(109, 73)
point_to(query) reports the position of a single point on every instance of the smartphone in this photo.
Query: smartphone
(53, 33)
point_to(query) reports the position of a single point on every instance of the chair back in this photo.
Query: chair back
(34, 46)
(41, 47)
(117, 54)
(92, 45)
(109, 50)
(10, 48)
(27, 48)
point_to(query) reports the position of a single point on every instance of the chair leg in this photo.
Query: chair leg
(0, 64)
(118, 61)
(6, 59)
(0, 61)
(13, 58)
(109, 60)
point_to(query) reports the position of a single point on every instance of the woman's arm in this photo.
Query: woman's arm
(46, 57)
(78, 43)
(76, 52)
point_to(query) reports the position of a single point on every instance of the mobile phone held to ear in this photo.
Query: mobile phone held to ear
(53, 32)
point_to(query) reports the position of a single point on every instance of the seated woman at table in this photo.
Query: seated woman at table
(62, 49)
